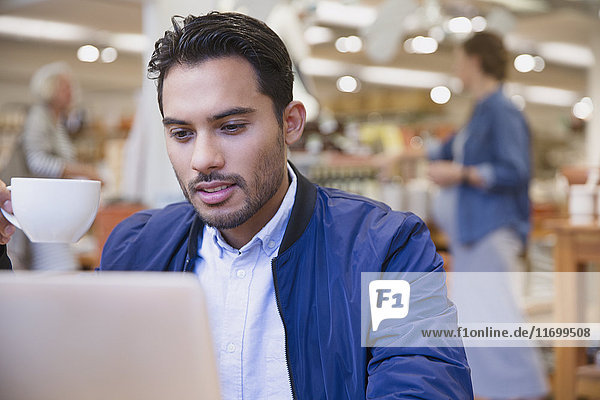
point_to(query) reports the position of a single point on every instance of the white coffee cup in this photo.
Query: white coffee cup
(581, 204)
(53, 210)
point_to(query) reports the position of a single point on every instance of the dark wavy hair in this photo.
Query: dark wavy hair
(490, 50)
(214, 35)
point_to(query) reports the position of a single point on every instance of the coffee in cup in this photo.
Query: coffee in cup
(53, 210)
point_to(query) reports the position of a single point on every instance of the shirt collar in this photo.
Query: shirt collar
(492, 97)
(271, 235)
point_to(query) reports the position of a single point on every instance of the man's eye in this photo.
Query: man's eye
(233, 128)
(180, 134)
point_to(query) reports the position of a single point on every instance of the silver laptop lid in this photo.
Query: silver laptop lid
(104, 336)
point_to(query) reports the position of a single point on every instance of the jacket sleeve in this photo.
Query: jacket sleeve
(118, 249)
(510, 166)
(419, 372)
(150, 240)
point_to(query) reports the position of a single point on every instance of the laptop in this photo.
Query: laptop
(104, 336)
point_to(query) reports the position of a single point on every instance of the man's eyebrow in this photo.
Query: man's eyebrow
(232, 111)
(216, 117)
(174, 121)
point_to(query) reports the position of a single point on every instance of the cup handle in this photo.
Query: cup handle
(10, 217)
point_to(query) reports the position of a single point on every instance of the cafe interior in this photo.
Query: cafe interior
(378, 78)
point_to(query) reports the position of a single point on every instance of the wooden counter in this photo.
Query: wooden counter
(575, 246)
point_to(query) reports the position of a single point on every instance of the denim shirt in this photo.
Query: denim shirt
(498, 145)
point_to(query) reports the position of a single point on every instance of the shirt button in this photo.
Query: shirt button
(230, 348)
(240, 273)
(272, 244)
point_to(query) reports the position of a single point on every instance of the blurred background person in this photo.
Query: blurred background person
(49, 153)
(483, 206)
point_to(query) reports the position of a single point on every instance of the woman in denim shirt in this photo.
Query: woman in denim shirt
(483, 206)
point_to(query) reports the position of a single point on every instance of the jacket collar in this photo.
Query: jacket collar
(304, 205)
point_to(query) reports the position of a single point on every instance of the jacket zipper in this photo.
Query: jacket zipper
(287, 358)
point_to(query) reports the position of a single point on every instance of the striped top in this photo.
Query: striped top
(46, 143)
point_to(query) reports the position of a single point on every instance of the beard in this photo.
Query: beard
(267, 177)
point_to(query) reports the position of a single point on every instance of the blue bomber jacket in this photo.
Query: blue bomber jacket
(331, 237)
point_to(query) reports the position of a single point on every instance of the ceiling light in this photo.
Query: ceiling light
(440, 94)
(334, 13)
(109, 55)
(400, 77)
(88, 53)
(132, 42)
(340, 45)
(408, 46)
(317, 35)
(347, 84)
(36, 29)
(323, 67)
(549, 96)
(390, 76)
(524, 63)
(566, 54)
(354, 44)
(460, 25)
(583, 109)
(538, 64)
(349, 44)
(424, 45)
(478, 23)
(40, 29)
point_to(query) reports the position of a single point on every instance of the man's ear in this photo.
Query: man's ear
(294, 118)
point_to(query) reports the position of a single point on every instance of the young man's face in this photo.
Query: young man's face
(224, 141)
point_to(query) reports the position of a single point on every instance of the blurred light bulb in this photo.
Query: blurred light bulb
(479, 23)
(440, 94)
(424, 45)
(347, 84)
(317, 35)
(354, 44)
(341, 45)
(460, 25)
(524, 63)
(109, 55)
(88, 53)
(538, 64)
(583, 109)
(408, 46)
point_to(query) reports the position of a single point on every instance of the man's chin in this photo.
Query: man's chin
(222, 219)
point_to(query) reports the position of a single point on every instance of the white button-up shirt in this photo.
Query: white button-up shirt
(246, 326)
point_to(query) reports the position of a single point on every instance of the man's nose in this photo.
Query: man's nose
(207, 154)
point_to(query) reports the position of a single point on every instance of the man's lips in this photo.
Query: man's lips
(214, 192)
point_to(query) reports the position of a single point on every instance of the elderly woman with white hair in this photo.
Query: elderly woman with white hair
(49, 152)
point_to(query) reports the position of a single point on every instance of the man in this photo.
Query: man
(280, 259)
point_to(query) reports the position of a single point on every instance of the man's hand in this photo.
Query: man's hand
(6, 228)
(445, 173)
